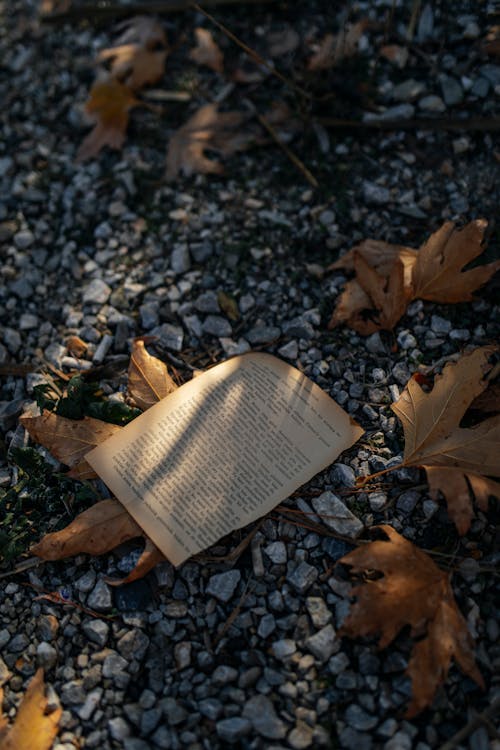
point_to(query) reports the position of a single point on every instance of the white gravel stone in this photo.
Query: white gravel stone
(223, 585)
(336, 515)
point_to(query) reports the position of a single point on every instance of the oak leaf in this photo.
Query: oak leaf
(206, 51)
(206, 129)
(34, 727)
(138, 57)
(98, 530)
(412, 591)
(389, 296)
(437, 273)
(109, 105)
(69, 439)
(148, 378)
(454, 457)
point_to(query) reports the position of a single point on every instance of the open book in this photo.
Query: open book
(221, 451)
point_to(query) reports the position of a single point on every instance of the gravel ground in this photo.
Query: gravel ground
(107, 250)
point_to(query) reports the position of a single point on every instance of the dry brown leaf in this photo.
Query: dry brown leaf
(138, 58)
(206, 51)
(413, 591)
(98, 530)
(488, 401)
(228, 305)
(206, 129)
(68, 439)
(337, 47)
(437, 273)
(350, 303)
(388, 294)
(109, 105)
(435, 441)
(379, 255)
(34, 728)
(148, 378)
(76, 346)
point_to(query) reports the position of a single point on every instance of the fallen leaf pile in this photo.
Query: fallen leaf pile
(138, 59)
(389, 277)
(35, 727)
(413, 592)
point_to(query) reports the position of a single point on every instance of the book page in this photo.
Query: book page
(221, 451)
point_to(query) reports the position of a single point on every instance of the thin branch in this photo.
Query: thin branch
(97, 12)
(485, 124)
(476, 721)
(253, 54)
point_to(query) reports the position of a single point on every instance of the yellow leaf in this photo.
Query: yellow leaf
(34, 728)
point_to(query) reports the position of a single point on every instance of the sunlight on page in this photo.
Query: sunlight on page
(222, 451)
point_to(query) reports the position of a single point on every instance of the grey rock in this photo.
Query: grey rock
(114, 664)
(267, 625)
(480, 87)
(246, 302)
(301, 736)
(92, 701)
(233, 348)
(72, 693)
(149, 313)
(211, 708)
(479, 739)
(19, 642)
(223, 585)
(100, 597)
(163, 738)
(263, 334)
(276, 551)
(97, 631)
(46, 655)
(201, 251)
(440, 326)
(407, 501)
(24, 239)
(338, 663)
(289, 350)
(323, 643)
(171, 336)
(96, 292)
(298, 328)
(133, 645)
(174, 712)
(216, 325)
(377, 500)
(284, 648)
(432, 103)
(118, 728)
(27, 322)
(401, 373)
(182, 654)
(12, 340)
(318, 611)
(375, 194)
(451, 90)
(425, 26)
(398, 112)
(86, 582)
(359, 719)
(343, 474)
(134, 743)
(207, 303)
(337, 516)
(491, 72)
(408, 90)
(265, 722)
(180, 261)
(223, 674)
(400, 741)
(233, 729)
(374, 344)
(302, 577)
(349, 738)
(150, 720)
(22, 288)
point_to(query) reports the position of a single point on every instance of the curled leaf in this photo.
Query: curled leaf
(148, 377)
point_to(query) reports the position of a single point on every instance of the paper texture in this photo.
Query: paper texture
(221, 451)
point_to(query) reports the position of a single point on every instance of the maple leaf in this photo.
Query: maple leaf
(109, 105)
(453, 457)
(148, 378)
(98, 530)
(337, 47)
(206, 129)
(437, 273)
(412, 591)
(69, 439)
(206, 51)
(379, 256)
(34, 728)
(389, 296)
